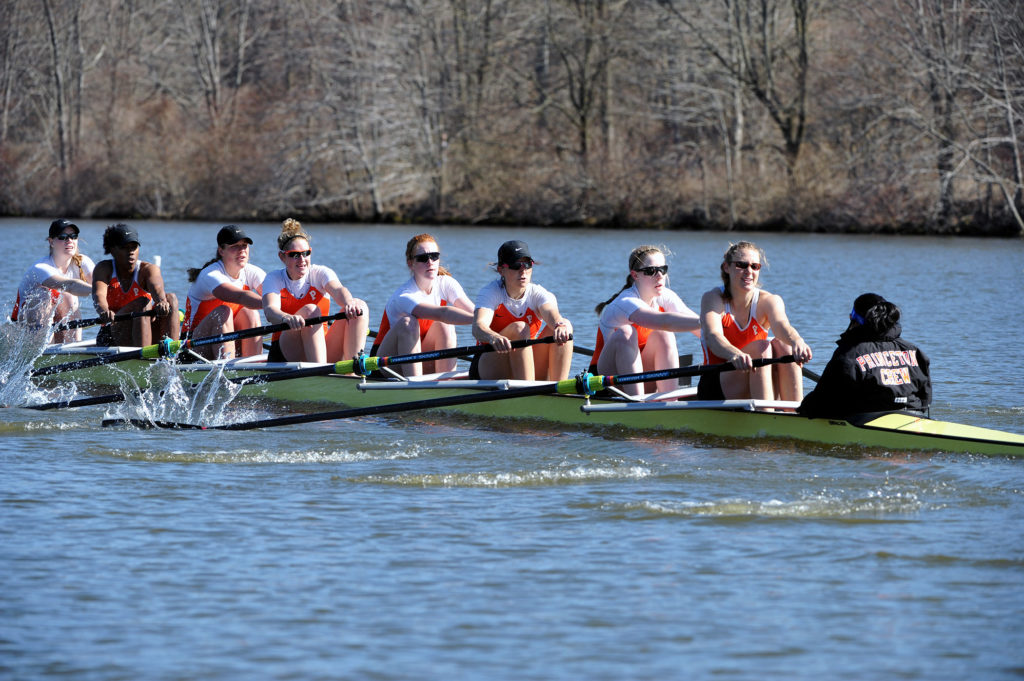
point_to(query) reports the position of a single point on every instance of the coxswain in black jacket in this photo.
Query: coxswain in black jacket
(872, 369)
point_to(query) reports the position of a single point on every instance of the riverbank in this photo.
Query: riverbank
(967, 225)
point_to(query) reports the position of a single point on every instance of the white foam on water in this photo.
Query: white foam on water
(20, 346)
(170, 397)
(579, 474)
(826, 504)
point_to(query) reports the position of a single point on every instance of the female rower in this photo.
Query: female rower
(872, 369)
(511, 308)
(735, 320)
(50, 289)
(420, 316)
(302, 290)
(126, 284)
(225, 296)
(636, 331)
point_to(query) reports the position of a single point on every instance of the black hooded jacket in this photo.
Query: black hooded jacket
(871, 373)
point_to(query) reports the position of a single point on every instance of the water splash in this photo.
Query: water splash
(170, 397)
(20, 346)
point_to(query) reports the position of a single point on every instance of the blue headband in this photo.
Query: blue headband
(854, 317)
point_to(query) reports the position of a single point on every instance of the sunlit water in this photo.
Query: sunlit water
(432, 547)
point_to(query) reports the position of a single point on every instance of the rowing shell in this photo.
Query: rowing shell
(675, 412)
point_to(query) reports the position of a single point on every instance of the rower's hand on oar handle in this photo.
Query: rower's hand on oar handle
(356, 308)
(742, 361)
(294, 321)
(161, 308)
(501, 344)
(562, 332)
(802, 352)
(105, 316)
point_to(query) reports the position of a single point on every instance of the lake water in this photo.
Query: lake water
(428, 548)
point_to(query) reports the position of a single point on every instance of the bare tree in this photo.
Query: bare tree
(763, 45)
(66, 72)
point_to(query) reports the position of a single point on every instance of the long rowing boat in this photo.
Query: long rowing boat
(675, 412)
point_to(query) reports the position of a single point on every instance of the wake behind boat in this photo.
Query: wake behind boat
(676, 412)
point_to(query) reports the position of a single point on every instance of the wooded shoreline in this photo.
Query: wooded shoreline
(866, 117)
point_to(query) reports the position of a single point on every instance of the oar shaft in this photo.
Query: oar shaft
(91, 362)
(170, 347)
(349, 366)
(79, 402)
(433, 403)
(456, 352)
(82, 323)
(681, 372)
(256, 331)
(813, 375)
(567, 386)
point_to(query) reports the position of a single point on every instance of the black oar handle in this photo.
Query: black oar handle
(354, 366)
(82, 323)
(681, 372)
(169, 347)
(458, 352)
(257, 331)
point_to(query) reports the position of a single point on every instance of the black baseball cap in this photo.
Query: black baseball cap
(512, 252)
(58, 226)
(231, 234)
(119, 235)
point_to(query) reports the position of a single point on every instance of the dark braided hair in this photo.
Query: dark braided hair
(876, 314)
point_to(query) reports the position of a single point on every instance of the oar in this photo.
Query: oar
(78, 402)
(363, 365)
(168, 347)
(578, 349)
(814, 376)
(82, 323)
(585, 384)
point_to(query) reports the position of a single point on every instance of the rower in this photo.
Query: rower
(226, 295)
(50, 289)
(736, 319)
(126, 284)
(637, 327)
(421, 315)
(302, 290)
(512, 307)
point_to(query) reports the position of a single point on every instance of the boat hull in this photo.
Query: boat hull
(894, 431)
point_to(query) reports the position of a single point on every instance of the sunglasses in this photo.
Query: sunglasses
(65, 237)
(521, 265)
(744, 265)
(424, 257)
(651, 271)
(299, 254)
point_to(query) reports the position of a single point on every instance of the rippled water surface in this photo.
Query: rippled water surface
(429, 547)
